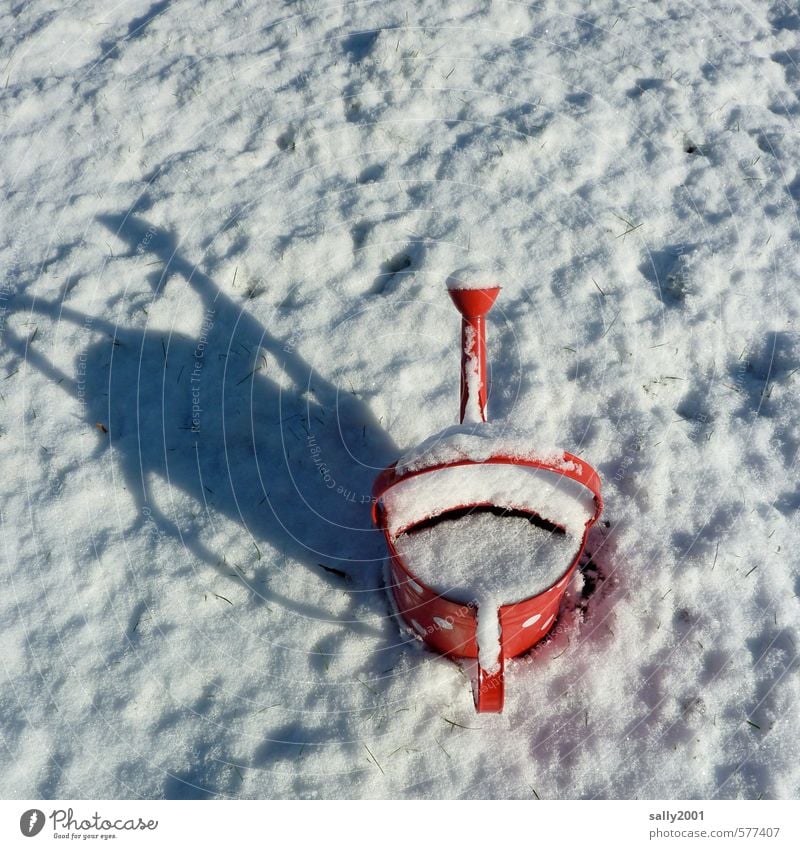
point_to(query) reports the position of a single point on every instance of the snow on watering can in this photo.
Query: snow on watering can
(483, 533)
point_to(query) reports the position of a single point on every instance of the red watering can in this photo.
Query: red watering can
(483, 534)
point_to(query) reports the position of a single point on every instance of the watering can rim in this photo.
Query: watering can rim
(581, 472)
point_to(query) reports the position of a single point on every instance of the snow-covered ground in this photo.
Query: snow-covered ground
(226, 230)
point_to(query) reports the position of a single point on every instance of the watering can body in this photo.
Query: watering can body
(449, 626)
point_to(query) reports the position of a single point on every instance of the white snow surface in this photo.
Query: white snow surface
(553, 497)
(226, 233)
(474, 411)
(479, 442)
(475, 275)
(481, 555)
(488, 633)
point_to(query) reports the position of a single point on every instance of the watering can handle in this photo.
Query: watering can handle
(489, 690)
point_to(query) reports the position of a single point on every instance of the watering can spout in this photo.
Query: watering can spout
(473, 304)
